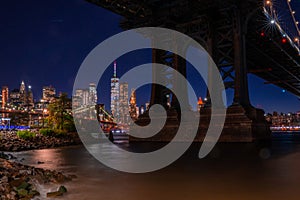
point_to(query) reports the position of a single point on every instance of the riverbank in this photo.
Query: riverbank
(9, 141)
(19, 181)
(234, 175)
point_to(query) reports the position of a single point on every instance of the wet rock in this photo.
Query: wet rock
(4, 179)
(33, 193)
(18, 181)
(54, 194)
(62, 189)
(3, 155)
(22, 192)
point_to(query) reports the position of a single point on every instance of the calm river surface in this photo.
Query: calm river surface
(232, 171)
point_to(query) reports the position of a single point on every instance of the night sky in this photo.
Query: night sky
(45, 42)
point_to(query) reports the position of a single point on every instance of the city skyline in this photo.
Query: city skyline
(40, 95)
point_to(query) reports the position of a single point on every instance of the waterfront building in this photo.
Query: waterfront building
(5, 96)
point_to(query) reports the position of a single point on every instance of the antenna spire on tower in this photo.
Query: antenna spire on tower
(115, 69)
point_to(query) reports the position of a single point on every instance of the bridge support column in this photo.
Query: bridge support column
(244, 123)
(225, 41)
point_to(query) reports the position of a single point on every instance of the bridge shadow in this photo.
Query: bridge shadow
(281, 145)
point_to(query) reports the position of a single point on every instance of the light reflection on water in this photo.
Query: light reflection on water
(230, 172)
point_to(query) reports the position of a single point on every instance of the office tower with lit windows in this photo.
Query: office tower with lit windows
(5, 96)
(123, 103)
(132, 105)
(114, 94)
(23, 95)
(14, 97)
(49, 93)
(30, 101)
(81, 98)
(92, 94)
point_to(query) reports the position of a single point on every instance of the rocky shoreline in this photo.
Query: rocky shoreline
(9, 141)
(20, 182)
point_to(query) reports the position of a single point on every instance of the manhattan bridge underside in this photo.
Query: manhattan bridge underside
(242, 36)
(266, 55)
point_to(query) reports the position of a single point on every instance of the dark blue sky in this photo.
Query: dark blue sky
(44, 43)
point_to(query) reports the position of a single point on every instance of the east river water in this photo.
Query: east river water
(231, 171)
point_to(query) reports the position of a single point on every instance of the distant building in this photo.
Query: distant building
(5, 96)
(114, 94)
(132, 105)
(92, 94)
(23, 95)
(30, 101)
(14, 97)
(200, 104)
(137, 109)
(123, 104)
(147, 105)
(49, 93)
(282, 119)
(81, 98)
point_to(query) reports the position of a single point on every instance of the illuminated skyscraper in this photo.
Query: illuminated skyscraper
(92, 94)
(115, 94)
(49, 93)
(81, 97)
(14, 96)
(30, 101)
(123, 103)
(132, 105)
(23, 96)
(4, 96)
